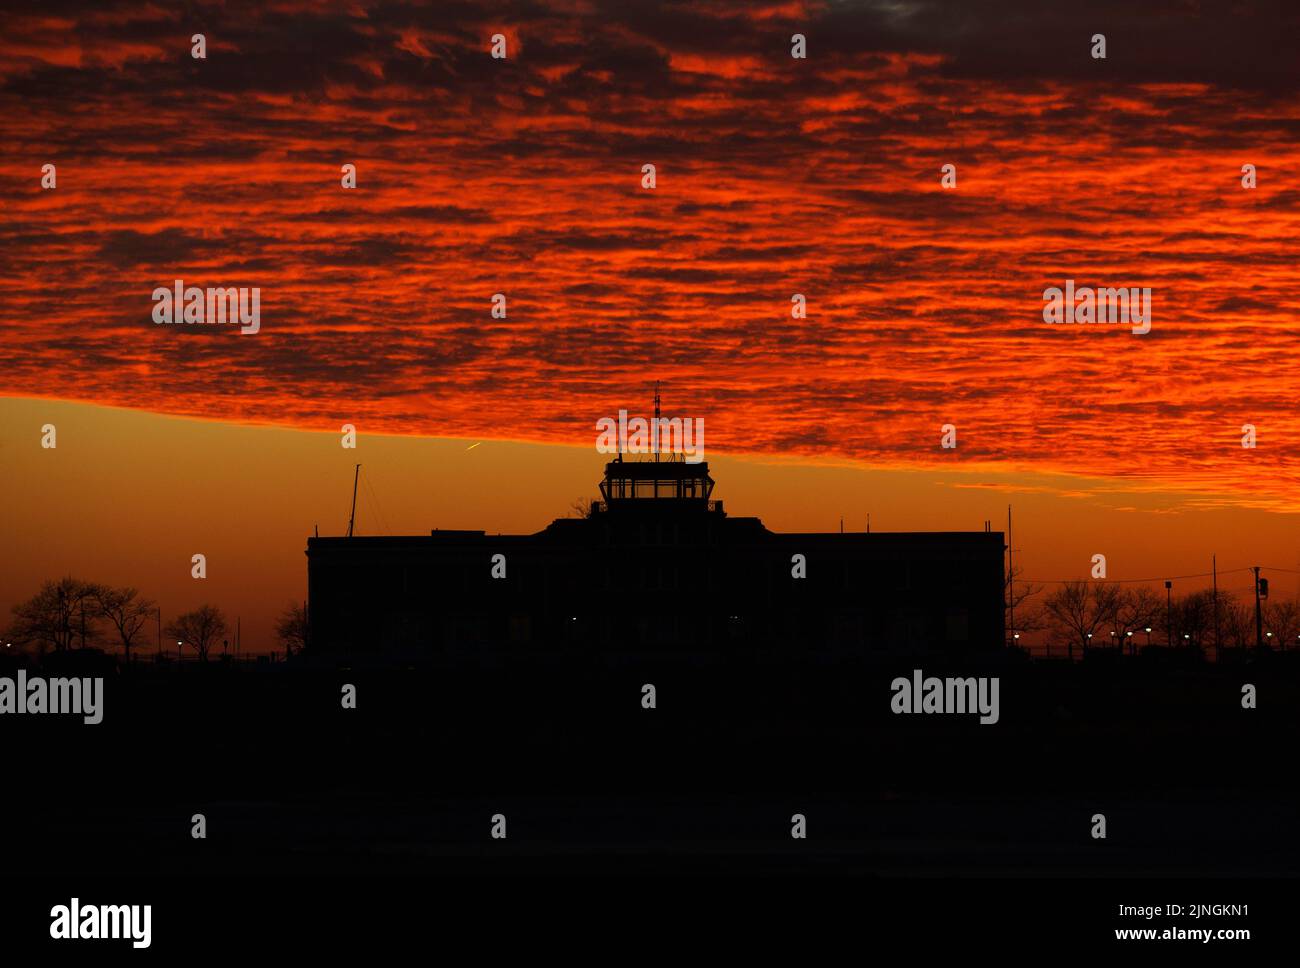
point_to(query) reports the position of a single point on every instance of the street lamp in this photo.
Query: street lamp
(1147, 630)
(1130, 643)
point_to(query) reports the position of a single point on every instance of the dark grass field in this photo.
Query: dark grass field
(290, 783)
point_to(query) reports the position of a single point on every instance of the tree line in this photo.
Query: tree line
(69, 613)
(1100, 614)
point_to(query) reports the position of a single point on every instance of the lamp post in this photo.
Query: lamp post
(1148, 632)
(1130, 642)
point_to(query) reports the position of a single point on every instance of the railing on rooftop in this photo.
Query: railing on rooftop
(601, 507)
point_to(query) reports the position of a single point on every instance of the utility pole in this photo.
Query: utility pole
(1259, 620)
(355, 477)
(1169, 614)
(1214, 566)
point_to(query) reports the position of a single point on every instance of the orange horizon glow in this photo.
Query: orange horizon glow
(127, 497)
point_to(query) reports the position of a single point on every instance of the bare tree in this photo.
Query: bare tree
(200, 628)
(1237, 621)
(1016, 593)
(1193, 620)
(1282, 618)
(581, 507)
(1138, 609)
(1078, 609)
(56, 615)
(126, 611)
(291, 628)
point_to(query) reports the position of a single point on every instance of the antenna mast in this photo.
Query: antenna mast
(355, 477)
(655, 434)
(1011, 578)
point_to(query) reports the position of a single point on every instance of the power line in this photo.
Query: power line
(1144, 581)
(379, 512)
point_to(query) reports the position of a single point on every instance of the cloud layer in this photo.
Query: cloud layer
(775, 176)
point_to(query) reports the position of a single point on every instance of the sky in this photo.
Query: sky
(523, 176)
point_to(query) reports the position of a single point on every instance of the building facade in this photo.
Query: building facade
(658, 567)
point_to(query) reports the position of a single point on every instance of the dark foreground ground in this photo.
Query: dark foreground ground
(289, 781)
(1194, 788)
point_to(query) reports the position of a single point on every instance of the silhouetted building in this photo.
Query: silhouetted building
(657, 567)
